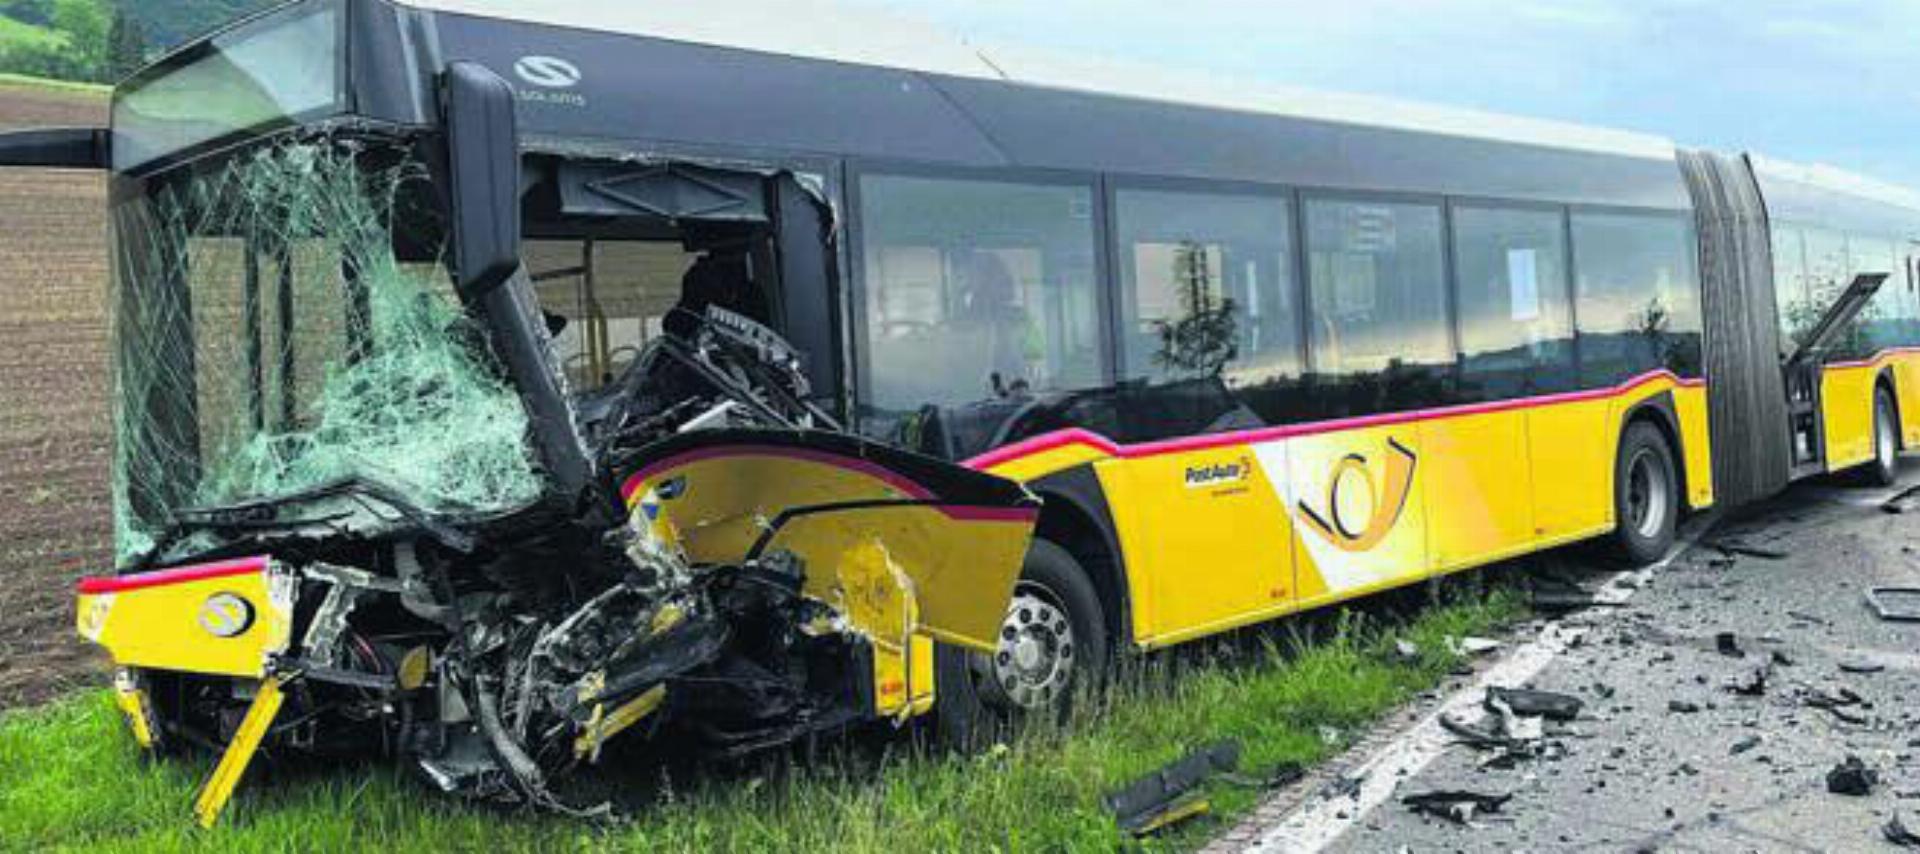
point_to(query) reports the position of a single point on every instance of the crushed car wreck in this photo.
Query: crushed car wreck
(363, 509)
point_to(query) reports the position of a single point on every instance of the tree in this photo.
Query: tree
(84, 23)
(126, 46)
(1201, 342)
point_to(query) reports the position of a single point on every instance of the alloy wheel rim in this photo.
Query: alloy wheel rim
(1032, 666)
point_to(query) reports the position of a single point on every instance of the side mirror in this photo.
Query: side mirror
(483, 165)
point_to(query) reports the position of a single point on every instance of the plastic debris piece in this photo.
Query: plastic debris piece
(1861, 667)
(1728, 645)
(1456, 805)
(1161, 799)
(1751, 682)
(1895, 604)
(1743, 745)
(1897, 833)
(1852, 777)
(1684, 707)
(1472, 646)
(1735, 547)
(1546, 704)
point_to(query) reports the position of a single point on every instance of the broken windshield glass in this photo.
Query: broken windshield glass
(269, 341)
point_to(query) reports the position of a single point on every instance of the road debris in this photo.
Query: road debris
(1456, 805)
(1684, 707)
(1727, 644)
(1735, 547)
(1860, 667)
(1751, 682)
(1895, 604)
(1743, 745)
(1902, 501)
(1852, 777)
(1170, 794)
(1837, 702)
(1470, 647)
(1548, 704)
(1897, 833)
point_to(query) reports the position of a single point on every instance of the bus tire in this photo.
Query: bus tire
(1053, 644)
(1646, 495)
(1885, 466)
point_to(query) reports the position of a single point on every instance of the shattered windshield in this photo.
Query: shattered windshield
(268, 341)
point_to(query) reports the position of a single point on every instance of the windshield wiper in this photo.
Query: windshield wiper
(263, 515)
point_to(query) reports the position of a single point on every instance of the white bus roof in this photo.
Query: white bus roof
(834, 31)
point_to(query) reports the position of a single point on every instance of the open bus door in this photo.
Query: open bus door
(1801, 369)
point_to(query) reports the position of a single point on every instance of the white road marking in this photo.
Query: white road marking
(1322, 820)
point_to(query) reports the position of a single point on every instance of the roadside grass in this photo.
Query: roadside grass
(70, 778)
(28, 81)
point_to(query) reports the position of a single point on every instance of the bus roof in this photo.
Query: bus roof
(831, 31)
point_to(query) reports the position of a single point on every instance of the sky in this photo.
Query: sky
(1813, 81)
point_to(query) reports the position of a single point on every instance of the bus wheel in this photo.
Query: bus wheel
(1886, 441)
(1052, 644)
(1646, 495)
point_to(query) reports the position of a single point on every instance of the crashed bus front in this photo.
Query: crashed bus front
(362, 505)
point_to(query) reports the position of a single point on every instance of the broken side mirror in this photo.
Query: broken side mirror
(483, 172)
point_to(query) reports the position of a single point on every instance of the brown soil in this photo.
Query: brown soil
(54, 433)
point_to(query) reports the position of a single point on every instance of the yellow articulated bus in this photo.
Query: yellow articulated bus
(493, 379)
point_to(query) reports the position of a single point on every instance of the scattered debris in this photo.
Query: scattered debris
(1455, 805)
(1852, 777)
(1861, 667)
(1780, 658)
(1546, 704)
(1901, 501)
(1728, 645)
(1836, 703)
(1752, 682)
(1734, 547)
(1895, 604)
(1407, 650)
(1743, 745)
(1684, 707)
(1480, 735)
(1898, 834)
(1168, 796)
(1471, 646)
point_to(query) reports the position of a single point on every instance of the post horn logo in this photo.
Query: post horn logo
(1383, 506)
(225, 615)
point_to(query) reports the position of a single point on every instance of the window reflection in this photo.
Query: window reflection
(1516, 324)
(1637, 302)
(974, 291)
(1378, 305)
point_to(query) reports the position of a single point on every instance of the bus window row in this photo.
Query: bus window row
(1813, 265)
(1245, 307)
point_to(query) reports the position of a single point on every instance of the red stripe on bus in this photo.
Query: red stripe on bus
(1079, 436)
(957, 512)
(176, 575)
(873, 470)
(1875, 359)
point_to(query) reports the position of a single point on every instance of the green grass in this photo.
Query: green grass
(70, 778)
(16, 31)
(29, 81)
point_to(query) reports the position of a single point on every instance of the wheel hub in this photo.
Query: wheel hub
(1034, 662)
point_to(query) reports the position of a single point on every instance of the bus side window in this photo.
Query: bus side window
(1209, 325)
(1637, 299)
(1515, 305)
(973, 291)
(1376, 284)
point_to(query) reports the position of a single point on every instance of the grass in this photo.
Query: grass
(70, 778)
(17, 31)
(28, 81)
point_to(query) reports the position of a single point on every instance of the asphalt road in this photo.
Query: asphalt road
(1665, 755)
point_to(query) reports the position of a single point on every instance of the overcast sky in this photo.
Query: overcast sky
(1826, 81)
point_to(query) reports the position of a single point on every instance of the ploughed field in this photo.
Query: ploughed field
(54, 426)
